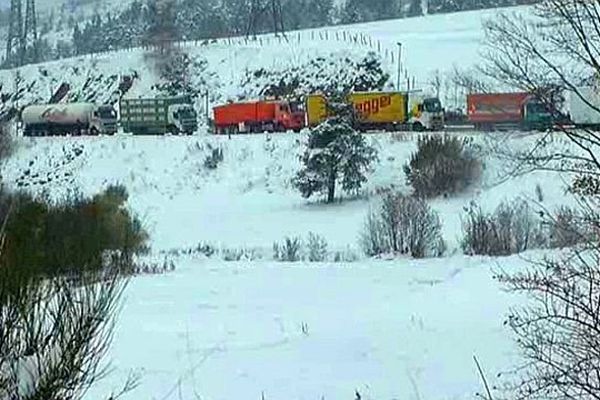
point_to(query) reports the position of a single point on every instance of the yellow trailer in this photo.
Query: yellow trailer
(380, 109)
(373, 109)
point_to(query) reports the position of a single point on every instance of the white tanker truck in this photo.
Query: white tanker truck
(65, 119)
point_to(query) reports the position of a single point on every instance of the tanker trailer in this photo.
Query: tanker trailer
(68, 119)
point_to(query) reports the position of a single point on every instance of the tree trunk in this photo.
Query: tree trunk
(331, 187)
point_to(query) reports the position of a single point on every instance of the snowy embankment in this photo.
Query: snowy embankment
(248, 201)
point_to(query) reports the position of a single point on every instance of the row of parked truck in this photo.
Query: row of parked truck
(390, 111)
(152, 116)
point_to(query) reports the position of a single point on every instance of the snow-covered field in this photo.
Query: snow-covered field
(216, 330)
(389, 329)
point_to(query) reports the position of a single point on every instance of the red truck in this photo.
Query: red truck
(257, 116)
(489, 111)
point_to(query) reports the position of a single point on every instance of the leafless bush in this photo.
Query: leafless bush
(240, 254)
(557, 330)
(348, 255)
(404, 225)
(289, 250)
(215, 157)
(316, 247)
(511, 228)
(568, 227)
(54, 334)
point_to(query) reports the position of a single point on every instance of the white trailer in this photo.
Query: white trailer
(583, 114)
(64, 119)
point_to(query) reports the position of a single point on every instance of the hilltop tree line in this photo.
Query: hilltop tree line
(144, 22)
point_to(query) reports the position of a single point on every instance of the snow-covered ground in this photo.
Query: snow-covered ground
(396, 329)
(389, 329)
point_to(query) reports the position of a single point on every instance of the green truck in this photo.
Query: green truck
(158, 116)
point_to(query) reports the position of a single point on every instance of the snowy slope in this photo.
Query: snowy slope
(248, 200)
(429, 44)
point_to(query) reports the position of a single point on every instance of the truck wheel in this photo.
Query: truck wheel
(94, 131)
(418, 127)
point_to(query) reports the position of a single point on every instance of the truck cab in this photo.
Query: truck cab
(536, 115)
(104, 120)
(183, 117)
(287, 118)
(426, 113)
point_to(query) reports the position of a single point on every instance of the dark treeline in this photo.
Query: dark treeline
(144, 22)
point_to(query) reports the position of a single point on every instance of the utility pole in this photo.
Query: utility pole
(399, 64)
(15, 44)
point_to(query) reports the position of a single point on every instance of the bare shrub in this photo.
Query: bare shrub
(557, 329)
(54, 334)
(347, 255)
(510, 229)
(240, 254)
(289, 250)
(442, 165)
(404, 225)
(316, 247)
(569, 227)
(213, 159)
(373, 238)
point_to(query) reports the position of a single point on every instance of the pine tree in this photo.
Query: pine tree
(415, 8)
(336, 152)
(318, 12)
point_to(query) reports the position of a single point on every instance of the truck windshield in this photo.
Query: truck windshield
(535, 107)
(107, 113)
(186, 113)
(432, 105)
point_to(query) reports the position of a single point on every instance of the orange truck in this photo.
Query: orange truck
(257, 116)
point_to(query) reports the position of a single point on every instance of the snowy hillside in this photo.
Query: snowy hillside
(248, 200)
(429, 44)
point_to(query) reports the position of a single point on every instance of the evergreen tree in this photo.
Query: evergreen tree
(352, 12)
(162, 27)
(415, 8)
(294, 14)
(318, 12)
(336, 152)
